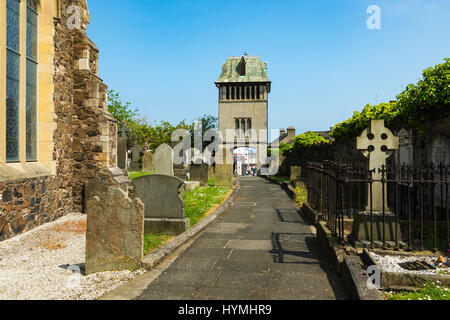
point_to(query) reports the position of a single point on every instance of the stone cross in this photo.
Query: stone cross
(124, 130)
(376, 141)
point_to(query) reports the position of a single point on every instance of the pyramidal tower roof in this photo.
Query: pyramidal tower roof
(244, 69)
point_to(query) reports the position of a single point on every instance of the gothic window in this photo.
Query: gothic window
(12, 79)
(31, 93)
(18, 51)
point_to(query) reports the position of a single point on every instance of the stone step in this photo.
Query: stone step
(379, 244)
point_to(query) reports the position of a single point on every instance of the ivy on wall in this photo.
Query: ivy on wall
(416, 105)
(302, 142)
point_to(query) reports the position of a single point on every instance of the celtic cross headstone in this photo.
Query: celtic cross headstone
(375, 142)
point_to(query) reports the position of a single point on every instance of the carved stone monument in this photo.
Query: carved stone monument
(224, 168)
(164, 205)
(199, 172)
(122, 149)
(375, 143)
(163, 160)
(115, 233)
(135, 157)
(147, 162)
(296, 173)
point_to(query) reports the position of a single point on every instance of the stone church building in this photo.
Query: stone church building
(243, 102)
(55, 130)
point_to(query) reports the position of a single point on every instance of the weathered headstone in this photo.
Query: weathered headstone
(122, 149)
(96, 187)
(224, 168)
(440, 154)
(163, 160)
(404, 154)
(115, 233)
(199, 172)
(122, 153)
(135, 157)
(376, 142)
(164, 205)
(147, 162)
(296, 173)
(211, 172)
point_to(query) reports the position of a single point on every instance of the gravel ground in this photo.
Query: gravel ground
(44, 264)
(390, 263)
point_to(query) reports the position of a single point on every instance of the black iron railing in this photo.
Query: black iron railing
(418, 196)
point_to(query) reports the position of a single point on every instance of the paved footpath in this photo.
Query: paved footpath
(261, 249)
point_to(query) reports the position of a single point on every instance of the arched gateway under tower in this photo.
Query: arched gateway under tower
(243, 103)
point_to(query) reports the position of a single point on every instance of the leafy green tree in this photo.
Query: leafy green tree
(429, 97)
(122, 111)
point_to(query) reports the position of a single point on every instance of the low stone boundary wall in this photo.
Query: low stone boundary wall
(154, 257)
(355, 280)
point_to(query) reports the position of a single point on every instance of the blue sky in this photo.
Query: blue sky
(323, 61)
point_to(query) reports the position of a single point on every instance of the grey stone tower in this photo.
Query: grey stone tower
(243, 100)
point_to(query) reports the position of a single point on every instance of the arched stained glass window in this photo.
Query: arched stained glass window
(12, 80)
(32, 4)
(31, 106)
(18, 52)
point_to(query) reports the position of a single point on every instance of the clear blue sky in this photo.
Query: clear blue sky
(323, 61)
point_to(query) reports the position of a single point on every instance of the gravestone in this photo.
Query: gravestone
(376, 142)
(163, 160)
(440, 154)
(211, 172)
(96, 187)
(135, 157)
(199, 172)
(122, 153)
(115, 233)
(224, 168)
(147, 162)
(122, 149)
(164, 205)
(405, 148)
(296, 173)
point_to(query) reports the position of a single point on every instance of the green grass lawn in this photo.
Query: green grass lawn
(136, 174)
(154, 241)
(427, 292)
(196, 204)
(199, 201)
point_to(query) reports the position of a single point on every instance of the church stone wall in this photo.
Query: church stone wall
(82, 134)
